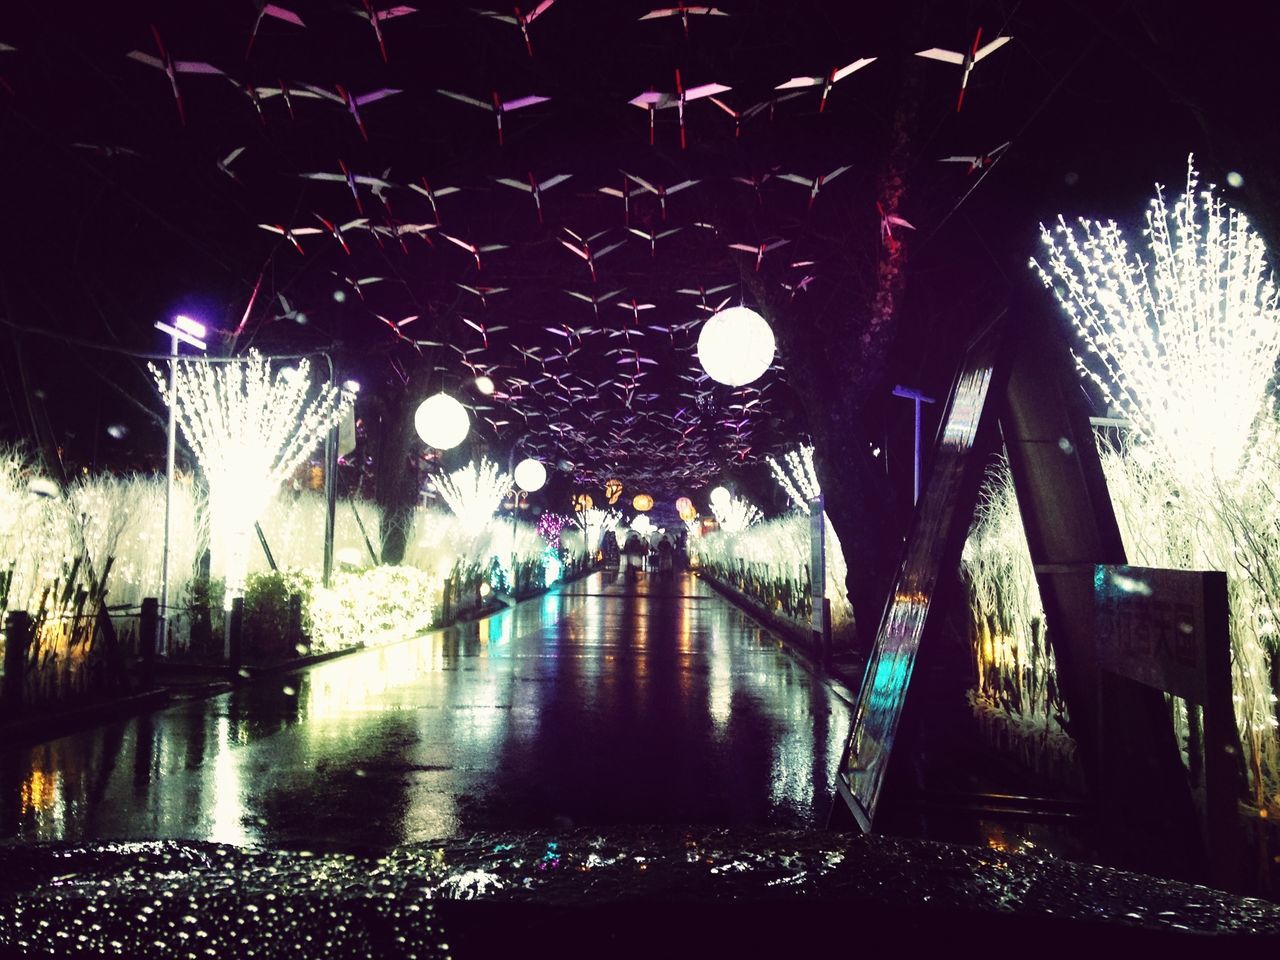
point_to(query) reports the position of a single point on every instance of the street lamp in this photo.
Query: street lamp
(919, 398)
(188, 331)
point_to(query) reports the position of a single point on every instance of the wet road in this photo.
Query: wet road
(599, 704)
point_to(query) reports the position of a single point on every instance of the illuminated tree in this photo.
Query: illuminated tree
(1184, 343)
(799, 479)
(594, 524)
(250, 428)
(474, 493)
(735, 514)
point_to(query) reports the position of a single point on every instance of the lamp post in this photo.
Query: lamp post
(182, 330)
(919, 399)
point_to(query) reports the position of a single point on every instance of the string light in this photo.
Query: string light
(249, 429)
(473, 493)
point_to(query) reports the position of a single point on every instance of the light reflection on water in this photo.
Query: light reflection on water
(665, 708)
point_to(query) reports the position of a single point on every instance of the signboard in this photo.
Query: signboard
(1151, 627)
(817, 568)
(937, 534)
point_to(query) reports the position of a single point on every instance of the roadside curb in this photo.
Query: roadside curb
(837, 680)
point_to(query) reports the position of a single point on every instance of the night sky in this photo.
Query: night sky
(117, 214)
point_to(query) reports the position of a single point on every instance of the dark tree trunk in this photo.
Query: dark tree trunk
(398, 477)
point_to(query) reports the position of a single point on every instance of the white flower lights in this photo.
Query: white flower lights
(474, 493)
(1187, 342)
(249, 429)
(735, 346)
(798, 480)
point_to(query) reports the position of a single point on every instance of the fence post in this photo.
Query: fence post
(149, 639)
(295, 624)
(235, 635)
(17, 631)
(446, 607)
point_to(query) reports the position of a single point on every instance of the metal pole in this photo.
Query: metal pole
(171, 448)
(918, 398)
(916, 488)
(330, 486)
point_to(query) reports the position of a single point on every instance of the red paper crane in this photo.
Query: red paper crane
(967, 60)
(534, 187)
(172, 68)
(521, 20)
(498, 105)
(887, 222)
(826, 82)
(814, 184)
(654, 100)
(980, 162)
(375, 18)
(582, 248)
(759, 249)
(683, 12)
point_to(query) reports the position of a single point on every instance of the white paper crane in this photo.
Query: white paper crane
(497, 105)
(535, 187)
(965, 61)
(814, 184)
(521, 19)
(172, 68)
(827, 81)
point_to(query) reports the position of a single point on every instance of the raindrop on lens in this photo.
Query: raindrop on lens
(117, 431)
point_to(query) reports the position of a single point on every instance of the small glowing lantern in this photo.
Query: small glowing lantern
(582, 502)
(642, 502)
(735, 346)
(685, 509)
(613, 490)
(441, 422)
(530, 475)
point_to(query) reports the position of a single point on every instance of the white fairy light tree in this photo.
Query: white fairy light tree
(250, 428)
(735, 514)
(594, 524)
(1183, 344)
(798, 479)
(474, 493)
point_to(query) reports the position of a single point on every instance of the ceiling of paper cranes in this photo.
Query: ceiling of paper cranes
(555, 198)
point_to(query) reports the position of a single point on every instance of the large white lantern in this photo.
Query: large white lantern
(735, 346)
(720, 497)
(442, 422)
(530, 475)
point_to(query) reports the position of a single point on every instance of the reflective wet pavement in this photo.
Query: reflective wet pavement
(601, 704)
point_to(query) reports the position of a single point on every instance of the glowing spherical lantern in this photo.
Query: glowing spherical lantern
(530, 475)
(613, 490)
(720, 496)
(582, 502)
(485, 385)
(642, 502)
(442, 422)
(735, 346)
(685, 509)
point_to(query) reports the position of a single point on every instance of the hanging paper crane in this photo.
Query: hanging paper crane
(967, 60)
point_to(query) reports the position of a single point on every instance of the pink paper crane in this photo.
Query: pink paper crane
(431, 195)
(498, 105)
(594, 299)
(271, 10)
(474, 249)
(751, 111)
(814, 184)
(887, 222)
(484, 293)
(172, 68)
(683, 12)
(291, 233)
(376, 17)
(826, 82)
(353, 102)
(654, 100)
(981, 162)
(535, 187)
(582, 248)
(660, 191)
(965, 61)
(521, 20)
(759, 249)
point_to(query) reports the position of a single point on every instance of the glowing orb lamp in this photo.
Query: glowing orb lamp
(582, 502)
(485, 385)
(720, 497)
(735, 346)
(530, 475)
(613, 490)
(442, 422)
(685, 509)
(642, 502)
